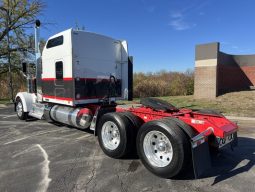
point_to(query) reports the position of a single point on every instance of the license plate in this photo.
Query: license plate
(224, 141)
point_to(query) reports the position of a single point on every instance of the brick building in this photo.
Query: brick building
(217, 72)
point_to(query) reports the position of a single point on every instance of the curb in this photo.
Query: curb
(241, 118)
(3, 106)
(6, 105)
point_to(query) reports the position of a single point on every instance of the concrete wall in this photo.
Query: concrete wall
(206, 71)
(217, 72)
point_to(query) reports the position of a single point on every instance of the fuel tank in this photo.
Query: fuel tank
(77, 117)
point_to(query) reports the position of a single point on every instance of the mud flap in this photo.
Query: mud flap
(235, 142)
(201, 159)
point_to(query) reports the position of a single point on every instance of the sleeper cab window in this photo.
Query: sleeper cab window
(55, 42)
(59, 70)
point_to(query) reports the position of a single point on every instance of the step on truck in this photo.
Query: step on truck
(79, 77)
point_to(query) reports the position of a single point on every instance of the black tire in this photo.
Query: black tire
(124, 127)
(136, 121)
(180, 147)
(103, 111)
(188, 130)
(136, 124)
(20, 110)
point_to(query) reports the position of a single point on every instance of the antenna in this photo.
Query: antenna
(76, 25)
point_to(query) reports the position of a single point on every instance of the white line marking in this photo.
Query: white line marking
(84, 136)
(37, 134)
(16, 122)
(16, 140)
(24, 151)
(44, 184)
(3, 115)
(9, 116)
(70, 135)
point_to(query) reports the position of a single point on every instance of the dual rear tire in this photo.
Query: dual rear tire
(161, 145)
(116, 134)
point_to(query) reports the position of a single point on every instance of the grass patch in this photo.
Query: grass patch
(4, 101)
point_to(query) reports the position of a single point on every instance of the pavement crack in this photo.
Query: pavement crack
(64, 181)
(93, 171)
(122, 185)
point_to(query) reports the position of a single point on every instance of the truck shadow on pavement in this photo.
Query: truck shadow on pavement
(231, 163)
(228, 163)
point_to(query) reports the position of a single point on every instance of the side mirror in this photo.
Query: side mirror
(24, 68)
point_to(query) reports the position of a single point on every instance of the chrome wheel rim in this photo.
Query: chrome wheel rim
(110, 135)
(158, 149)
(19, 109)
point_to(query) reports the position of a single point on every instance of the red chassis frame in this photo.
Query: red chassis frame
(222, 127)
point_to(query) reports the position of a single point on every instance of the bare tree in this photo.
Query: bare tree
(15, 17)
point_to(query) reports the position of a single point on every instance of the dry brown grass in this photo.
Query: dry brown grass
(238, 103)
(163, 83)
(19, 84)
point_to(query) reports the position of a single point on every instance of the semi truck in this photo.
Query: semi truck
(79, 78)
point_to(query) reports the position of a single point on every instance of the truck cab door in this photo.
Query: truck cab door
(59, 80)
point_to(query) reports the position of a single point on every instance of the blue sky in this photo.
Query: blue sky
(162, 34)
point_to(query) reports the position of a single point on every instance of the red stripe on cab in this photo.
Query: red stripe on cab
(59, 98)
(53, 79)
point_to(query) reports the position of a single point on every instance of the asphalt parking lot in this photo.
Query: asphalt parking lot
(39, 156)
